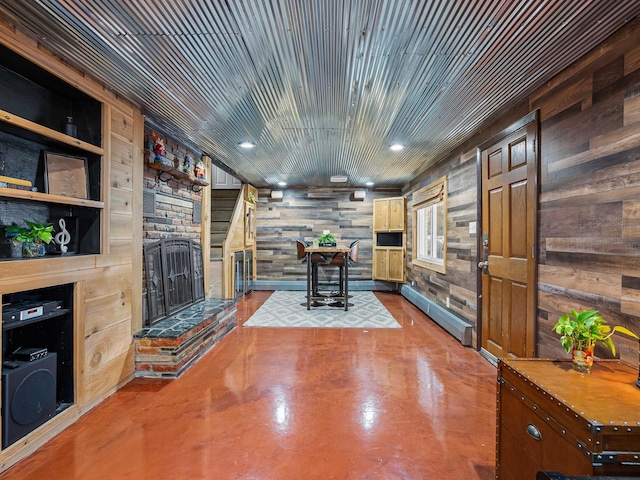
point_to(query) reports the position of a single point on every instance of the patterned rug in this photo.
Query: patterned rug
(289, 309)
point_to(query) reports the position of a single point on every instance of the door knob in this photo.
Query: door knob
(483, 264)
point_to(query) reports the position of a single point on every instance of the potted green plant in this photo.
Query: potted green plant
(581, 331)
(327, 240)
(32, 237)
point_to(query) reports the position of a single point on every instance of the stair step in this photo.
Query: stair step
(217, 238)
(220, 226)
(223, 203)
(221, 233)
(221, 215)
(225, 192)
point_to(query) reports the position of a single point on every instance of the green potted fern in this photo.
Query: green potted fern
(580, 331)
(33, 237)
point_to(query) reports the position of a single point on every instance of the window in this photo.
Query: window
(430, 226)
(430, 233)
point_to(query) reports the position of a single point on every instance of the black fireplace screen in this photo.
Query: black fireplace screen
(173, 276)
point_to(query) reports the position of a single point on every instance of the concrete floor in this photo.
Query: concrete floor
(278, 404)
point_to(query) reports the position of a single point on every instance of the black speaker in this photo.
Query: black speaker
(28, 397)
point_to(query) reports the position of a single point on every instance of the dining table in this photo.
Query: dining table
(344, 288)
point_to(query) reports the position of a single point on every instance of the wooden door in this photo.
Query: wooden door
(509, 169)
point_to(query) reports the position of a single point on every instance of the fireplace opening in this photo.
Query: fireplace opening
(174, 277)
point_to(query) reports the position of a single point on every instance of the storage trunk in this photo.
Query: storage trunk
(552, 418)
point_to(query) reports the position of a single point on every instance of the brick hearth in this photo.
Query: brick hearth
(170, 346)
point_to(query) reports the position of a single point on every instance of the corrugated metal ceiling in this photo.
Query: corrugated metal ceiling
(322, 87)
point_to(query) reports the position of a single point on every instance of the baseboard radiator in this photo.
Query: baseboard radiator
(460, 329)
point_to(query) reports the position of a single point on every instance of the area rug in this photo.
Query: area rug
(288, 309)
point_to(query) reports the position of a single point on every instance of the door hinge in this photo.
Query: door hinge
(533, 250)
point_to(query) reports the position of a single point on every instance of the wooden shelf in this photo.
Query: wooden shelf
(45, 197)
(20, 122)
(178, 174)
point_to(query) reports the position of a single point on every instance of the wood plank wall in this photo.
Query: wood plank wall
(589, 225)
(304, 214)
(590, 191)
(459, 281)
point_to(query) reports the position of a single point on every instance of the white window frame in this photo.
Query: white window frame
(429, 248)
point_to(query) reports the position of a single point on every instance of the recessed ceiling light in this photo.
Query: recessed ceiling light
(369, 184)
(282, 184)
(396, 147)
(247, 145)
(338, 178)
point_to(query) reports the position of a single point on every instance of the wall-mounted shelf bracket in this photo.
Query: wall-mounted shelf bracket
(164, 176)
(166, 173)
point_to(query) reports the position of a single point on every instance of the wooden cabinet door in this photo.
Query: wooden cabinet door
(389, 214)
(380, 215)
(380, 263)
(388, 264)
(395, 265)
(396, 214)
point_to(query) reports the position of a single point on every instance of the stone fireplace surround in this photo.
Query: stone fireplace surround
(181, 324)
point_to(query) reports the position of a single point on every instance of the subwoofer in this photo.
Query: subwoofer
(28, 397)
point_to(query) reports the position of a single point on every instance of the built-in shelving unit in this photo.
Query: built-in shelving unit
(98, 280)
(33, 124)
(389, 239)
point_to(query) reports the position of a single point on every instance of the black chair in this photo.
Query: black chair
(316, 258)
(338, 261)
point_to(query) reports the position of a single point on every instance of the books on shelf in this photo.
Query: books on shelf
(17, 184)
(17, 187)
(15, 181)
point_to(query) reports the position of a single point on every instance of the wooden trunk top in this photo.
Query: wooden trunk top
(608, 395)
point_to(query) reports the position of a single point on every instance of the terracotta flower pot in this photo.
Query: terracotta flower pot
(582, 359)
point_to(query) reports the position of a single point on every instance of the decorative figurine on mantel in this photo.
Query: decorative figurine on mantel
(199, 170)
(158, 147)
(187, 165)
